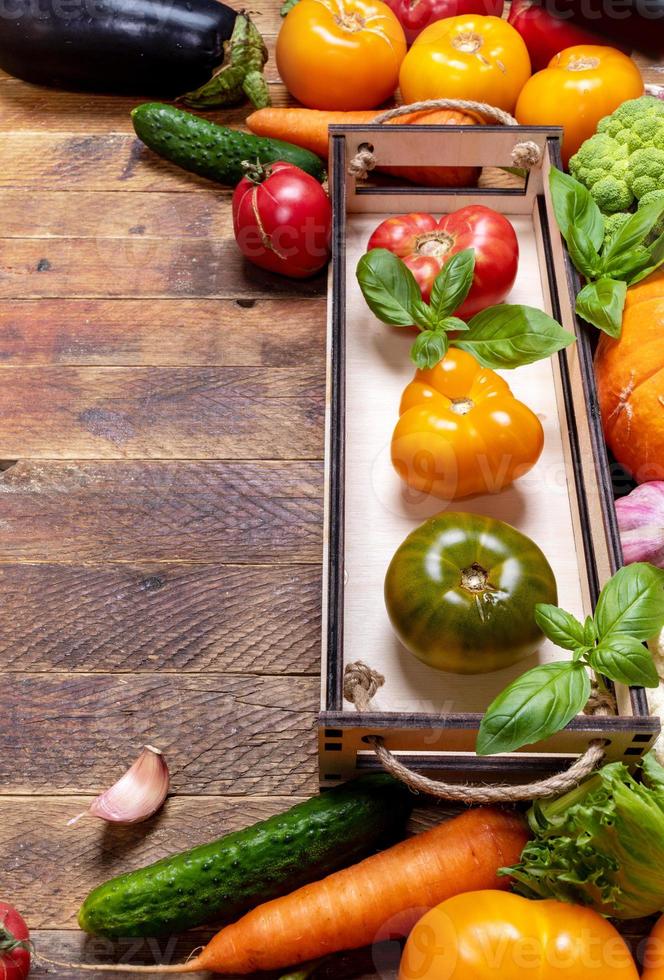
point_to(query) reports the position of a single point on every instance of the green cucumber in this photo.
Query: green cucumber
(212, 151)
(222, 880)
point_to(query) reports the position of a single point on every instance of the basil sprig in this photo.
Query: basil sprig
(504, 336)
(538, 704)
(609, 267)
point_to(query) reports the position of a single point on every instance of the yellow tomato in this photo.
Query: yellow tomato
(469, 57)
(494, 935)
(580, 86)
(341, 54)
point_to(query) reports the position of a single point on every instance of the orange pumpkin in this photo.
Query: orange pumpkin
(630, 382)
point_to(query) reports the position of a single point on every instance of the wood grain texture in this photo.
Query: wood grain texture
(136, 268)
(381, 960)
(161, 413)
(139, 511)
(221, 734)
(80, 857)
(196, 333)
(160, 617)
(82, 214)
(37, 109)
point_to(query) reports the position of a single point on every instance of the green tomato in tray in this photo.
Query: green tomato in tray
(461, 593)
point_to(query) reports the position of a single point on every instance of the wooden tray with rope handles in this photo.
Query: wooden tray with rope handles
(379, 706)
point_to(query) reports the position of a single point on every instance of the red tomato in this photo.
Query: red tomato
(282, 220)
(415, 15)
(544, 34)
(425, 244)
(14, 944)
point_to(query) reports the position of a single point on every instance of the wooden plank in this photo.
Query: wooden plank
(380, 960)
(161, 413)
(36, 109)
(132, 267)
(273, 333)
(202, 512)
(73, 214)
(35, 836)
(160, 617)
(221, 734)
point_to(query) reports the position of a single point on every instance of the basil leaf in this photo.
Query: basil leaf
(389, 287)
(508, 336)
(564, 629)
(628, 264)
(452, 284)
(589, 632)
(625, 660)
(453, 323)
(583, 253)
(634, 231)
(574, 206)
(533, 707)
(631, 603)
(602, 303)
(655, 259)
(430, 347)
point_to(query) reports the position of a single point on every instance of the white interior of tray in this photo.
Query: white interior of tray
(381, 511)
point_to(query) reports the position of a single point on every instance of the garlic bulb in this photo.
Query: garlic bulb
(137, 795)
(641, 523)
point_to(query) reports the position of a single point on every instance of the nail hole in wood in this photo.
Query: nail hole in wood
(6, 464)
(246, 304)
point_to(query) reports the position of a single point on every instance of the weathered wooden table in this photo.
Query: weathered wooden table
(161, 432)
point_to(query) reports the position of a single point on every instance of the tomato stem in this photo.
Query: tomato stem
(9, 942)
(474, 578)
(255, 171)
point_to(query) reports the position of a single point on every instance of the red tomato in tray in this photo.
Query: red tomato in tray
(426, 243)
(14, 944)
(546, 35)
(415, 15)
(282, 220)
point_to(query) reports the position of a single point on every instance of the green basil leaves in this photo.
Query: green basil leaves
(538, 704)
(504, 336)
(608, 266)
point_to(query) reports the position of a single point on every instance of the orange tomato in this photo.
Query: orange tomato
(493, 935)
(341, 54)
(581, 85)
(469, 57)
(461, 431)
(653, 962)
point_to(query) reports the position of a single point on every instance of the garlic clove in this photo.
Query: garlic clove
(641, 523)
(137, 795)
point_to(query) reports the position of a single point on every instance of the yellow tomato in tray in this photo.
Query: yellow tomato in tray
(461, 431)
(341, 54)
(581, 85)
(469, 57)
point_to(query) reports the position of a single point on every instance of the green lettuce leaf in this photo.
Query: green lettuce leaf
(601, 845)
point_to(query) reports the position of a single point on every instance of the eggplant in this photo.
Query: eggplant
(130, 47)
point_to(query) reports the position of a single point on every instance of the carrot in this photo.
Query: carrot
(309, 128)
(381, 897)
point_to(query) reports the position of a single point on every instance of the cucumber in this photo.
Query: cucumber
(222, 880)
(212, 151)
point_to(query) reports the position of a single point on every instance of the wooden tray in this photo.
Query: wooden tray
(565, 503)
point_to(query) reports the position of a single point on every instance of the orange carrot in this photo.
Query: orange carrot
(309, 128)
(379, 898)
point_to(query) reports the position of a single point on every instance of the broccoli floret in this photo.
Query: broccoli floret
(646, 171)
(648, 199)
(602, 165)
(625, 158)
(612, 225)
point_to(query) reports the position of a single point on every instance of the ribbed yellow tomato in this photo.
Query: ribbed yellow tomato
(494, 935)
(341, 54)
(462, 431)
(467, 57)
(581, 85)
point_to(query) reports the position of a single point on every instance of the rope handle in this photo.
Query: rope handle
(360, 685)
(525, 155)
